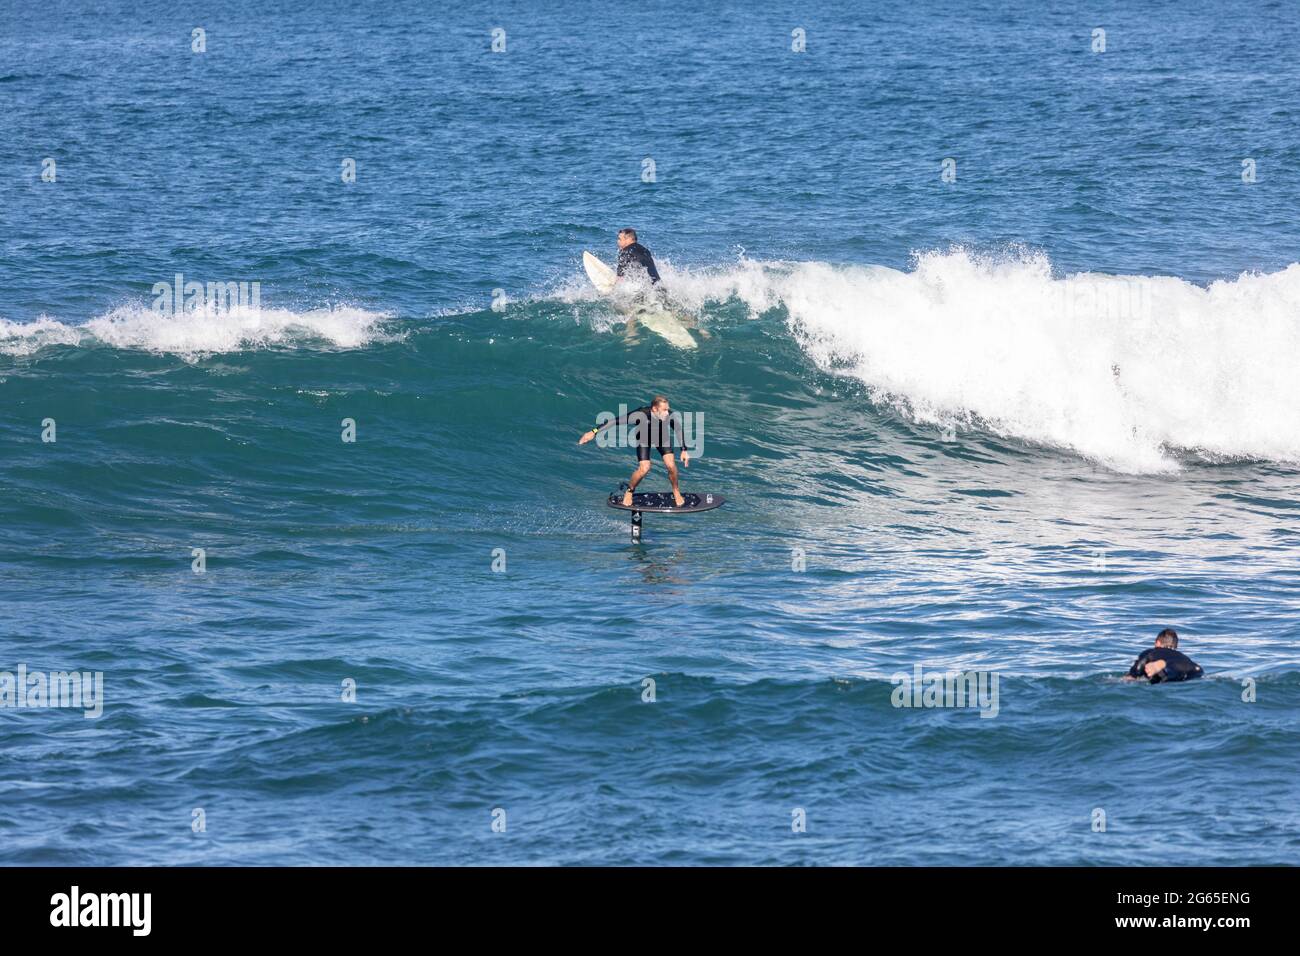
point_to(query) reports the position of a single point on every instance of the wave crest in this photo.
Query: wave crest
(203, 331)
(1129, 371)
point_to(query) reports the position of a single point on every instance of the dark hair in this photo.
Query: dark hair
(1169, 636)
(628, 232)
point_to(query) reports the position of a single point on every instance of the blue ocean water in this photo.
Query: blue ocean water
(997, 339)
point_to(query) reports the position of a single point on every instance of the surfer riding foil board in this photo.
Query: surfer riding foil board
(655, 428)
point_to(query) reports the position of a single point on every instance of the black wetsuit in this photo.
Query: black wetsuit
(650, 432)
(639, 256)
(1178, 666)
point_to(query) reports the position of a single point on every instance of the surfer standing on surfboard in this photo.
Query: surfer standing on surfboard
(648, 420)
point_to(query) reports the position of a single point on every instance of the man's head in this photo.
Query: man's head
(659, 407)
(1167, 638)
(626, 237)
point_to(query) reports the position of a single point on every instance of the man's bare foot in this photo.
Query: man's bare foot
(627, 499)
(677, 497)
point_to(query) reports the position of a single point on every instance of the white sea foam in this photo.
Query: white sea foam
(1128, 371)
(24, 338)
(201, 332)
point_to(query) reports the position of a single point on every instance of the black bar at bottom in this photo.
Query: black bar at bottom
(334, 904)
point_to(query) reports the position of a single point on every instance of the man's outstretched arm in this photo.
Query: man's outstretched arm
(595, 430)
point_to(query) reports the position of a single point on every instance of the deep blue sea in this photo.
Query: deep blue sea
(997, 326)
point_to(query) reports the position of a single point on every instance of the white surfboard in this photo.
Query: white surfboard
(653, 316)
(601, 275)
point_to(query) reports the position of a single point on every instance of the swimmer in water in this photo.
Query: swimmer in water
(1163, 663)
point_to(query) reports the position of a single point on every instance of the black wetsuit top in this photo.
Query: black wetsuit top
(638, 255)
(650, 432)
(1178, 666)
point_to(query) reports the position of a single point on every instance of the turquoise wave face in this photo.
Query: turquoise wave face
(350, 581)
